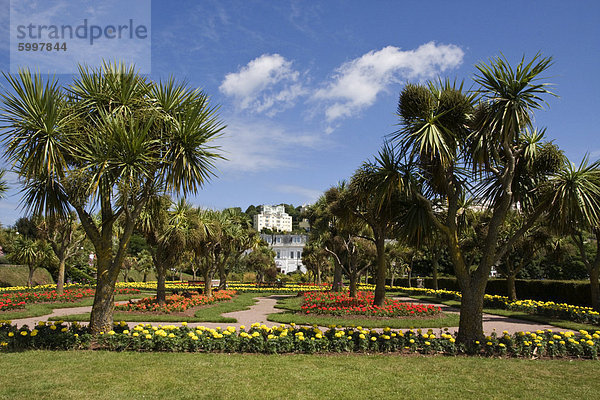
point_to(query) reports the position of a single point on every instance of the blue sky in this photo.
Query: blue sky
(308, 89)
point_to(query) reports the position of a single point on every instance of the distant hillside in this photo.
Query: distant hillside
(16, 275)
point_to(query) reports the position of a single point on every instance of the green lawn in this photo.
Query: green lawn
(211, 313)
(101, 375)
(39, 309)
(292, 306)
(541, 319)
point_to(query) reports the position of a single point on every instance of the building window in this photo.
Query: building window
(278, 255)
(291, 254)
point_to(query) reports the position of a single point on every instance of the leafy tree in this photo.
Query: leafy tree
(107, 142)
(64, 235)
(260, 260)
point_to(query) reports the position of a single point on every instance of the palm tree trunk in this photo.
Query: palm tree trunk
(435, 266)
(207, 283)
(353, 284)
(318, 275)
(337, 277)
(471, 313)
(381, 270)
(101, 319)
(60, 281)
(511, 277)
(30, 276)
(161, 290)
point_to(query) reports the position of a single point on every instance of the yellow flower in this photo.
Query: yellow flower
(452, 340)
(171, 335)
(23, 333)
(427, 343)
(412, 341)
(184, 323)
(135, 334)
(53, 327)
(148, 336)
(126, 332)
(34, 332)
(373, 338)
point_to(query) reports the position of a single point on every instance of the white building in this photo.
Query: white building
(274, 218)
(288, 251)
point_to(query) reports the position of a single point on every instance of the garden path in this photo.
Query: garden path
(266, 305)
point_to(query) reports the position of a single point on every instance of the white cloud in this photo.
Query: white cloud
(253, 146)
(266, 84)
(311, 195)
(356, 83)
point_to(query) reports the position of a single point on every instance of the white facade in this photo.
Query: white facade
(273, 217)
(288, 251)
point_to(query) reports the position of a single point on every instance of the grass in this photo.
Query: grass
(16, 275)
(211, 313)
(100, 375)
(541, 319)
(39, 309)
(292, 306)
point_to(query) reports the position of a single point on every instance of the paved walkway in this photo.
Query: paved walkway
(266, 305)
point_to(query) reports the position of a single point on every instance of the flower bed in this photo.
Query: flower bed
(341, 304)
(176, 303)
(12, 300)
(586, 315)
(294, 339)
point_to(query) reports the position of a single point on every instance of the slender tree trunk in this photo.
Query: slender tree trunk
(381, 271)
(337, 277)
(60, 281)
(145, 276)
(318, 275)
(207, 283)
(511, 277)
(392, 278)
(30, 277)
(222, 277)
(161, 290)
(435, 266)
(471, 312)
(353, 284)
(595, 287)
(194, 270)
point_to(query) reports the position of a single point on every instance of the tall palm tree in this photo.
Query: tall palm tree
(455, 140)
(106, 142)
(375, 196)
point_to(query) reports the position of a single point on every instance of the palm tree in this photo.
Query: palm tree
(111, 139)
(375, 197)
(33, 254)
(455, 144)
(573, 196)
(3, 185)
(166, 228)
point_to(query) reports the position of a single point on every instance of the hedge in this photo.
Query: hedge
(570, 292)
